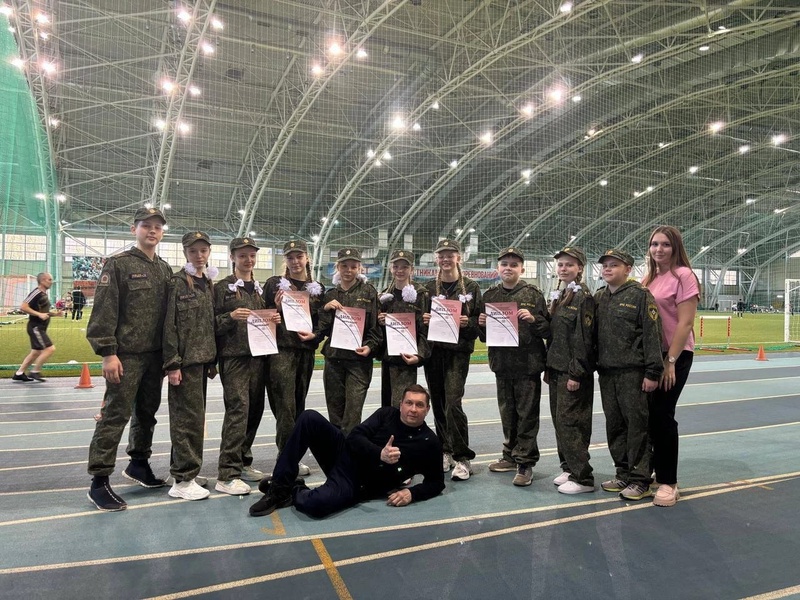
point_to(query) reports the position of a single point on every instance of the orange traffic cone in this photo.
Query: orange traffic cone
(86, 379)
(761, 355)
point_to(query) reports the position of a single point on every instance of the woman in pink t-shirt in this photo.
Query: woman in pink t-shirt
(677, 291)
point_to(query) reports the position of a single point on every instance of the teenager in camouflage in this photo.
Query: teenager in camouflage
(446, 370)
(402, 295)
(190, 353)
(347, 373)
(518, 369)
(241, 373)
(125, 328)
(630, 366)
(570, 364)
(288, 373)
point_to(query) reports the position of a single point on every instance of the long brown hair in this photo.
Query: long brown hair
(679, 256)
(460, 281)
(308, 267)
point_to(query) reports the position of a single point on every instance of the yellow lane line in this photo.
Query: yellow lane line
(330, 568)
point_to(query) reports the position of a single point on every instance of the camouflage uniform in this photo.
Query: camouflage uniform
(396, 375)
(242, 377)
(571, 356)
(518, 372)
(347, 375)
(189, 345)
(628, 351)
(127, 321)
(288, 373)
(446, 373)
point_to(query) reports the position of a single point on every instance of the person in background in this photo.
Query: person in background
(676, 290)
(288, 373)
(126, 328)
(37, 306)
(190, 352)
(78, 302)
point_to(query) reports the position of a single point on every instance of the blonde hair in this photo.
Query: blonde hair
(559, 302)
(393, 283)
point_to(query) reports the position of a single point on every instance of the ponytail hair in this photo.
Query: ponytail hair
(566, 297)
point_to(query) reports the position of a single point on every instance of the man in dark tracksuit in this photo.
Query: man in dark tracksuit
(125, 328)
(630, 364)
(518, 369)
(37, 306)
(372, 461)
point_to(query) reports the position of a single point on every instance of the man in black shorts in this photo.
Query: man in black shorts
(37, 306)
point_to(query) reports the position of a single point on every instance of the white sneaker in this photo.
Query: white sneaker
(188, 490)
(447, 462)
(461, 471)
(573, 487)
(234, 487)
(200, 480)
(561, 479)
(303, 470)
(250, 473)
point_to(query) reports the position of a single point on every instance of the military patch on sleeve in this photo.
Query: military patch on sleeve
(652, 310)
(588, 319)
(104, 280)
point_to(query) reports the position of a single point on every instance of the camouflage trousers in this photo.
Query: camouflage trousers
(346, 383)
(288, 377)
(243, 395)
(626, 409)
(394, 380)
(519, 402)
(446, 374)
(572, 420)
(135, 398)
(187, 420)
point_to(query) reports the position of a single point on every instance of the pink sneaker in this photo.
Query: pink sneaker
(666, 495)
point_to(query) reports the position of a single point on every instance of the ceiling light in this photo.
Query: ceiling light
(194, 90)
(750, 201)
(216, 23)
(240, 211)
(207, 48)
(61, 197)
(637, 194)
(166, 206)
(577, 98)
(435, 105)
(335, 49)
(487, 138)
(361, 54)
(649, 188)
(716, 126)
(398, 122)
(722, 28)
(526, 173)
(416, 127)
(184, 127)
(166, 227)
(693, 170)
(704, 48)
(370, 153)
(565, 8)
(6, 10)
(453, 164)
(458, 231)
(317, 70)
(637, 58)
(778, 211)
(744, 149)
(378, 163)
(53, 122)
(556, 94)
(148, 205)
(252, 234)
(160, 124)
(42, 19)
(40, 196)
(44, 35)
(315, 238)
(48, 67)
(527, 110)
(167, 86)
(663, 144)
(183, 15)
(779, 139)
(704, 248)
(18, 62)
(386, 156)
(741, 250)
(603, 182)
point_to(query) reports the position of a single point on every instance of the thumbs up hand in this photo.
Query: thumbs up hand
(390, 454)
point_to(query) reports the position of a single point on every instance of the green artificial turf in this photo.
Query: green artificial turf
(72, 349)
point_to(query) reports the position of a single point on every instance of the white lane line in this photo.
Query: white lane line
(775, 594)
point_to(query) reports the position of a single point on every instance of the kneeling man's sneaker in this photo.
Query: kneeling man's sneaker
(636, 491)
(269, 503)
(461, 471)
(524, 475)
(234, 487)
(104, 498)
(188, 490)
(141, 473)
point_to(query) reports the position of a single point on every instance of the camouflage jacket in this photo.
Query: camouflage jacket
(189, 324)
(529, 358)
(571, 348)
(129, 305)
(397, 305)
(231, 334)
(466, 335)
(361, 295)
(628, 330)
(288, 339)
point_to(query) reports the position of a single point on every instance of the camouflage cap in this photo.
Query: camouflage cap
(194, 236)
(405, 255)
(142, 213)
(294, 246)
(573, 251)
(451, 245)
(348, 254)
(619, 255)
(237, 243)
(512, 251)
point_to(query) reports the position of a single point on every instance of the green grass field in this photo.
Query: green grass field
(69, 336)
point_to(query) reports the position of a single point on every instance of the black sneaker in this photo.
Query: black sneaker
(22, 377)
(36, 376)
(263, 485)
(269, 503)
(104, 498)
(143, 475)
